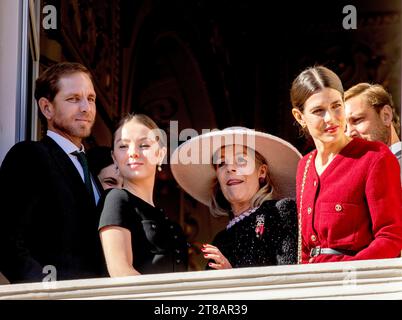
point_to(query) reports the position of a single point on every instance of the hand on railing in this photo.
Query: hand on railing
(213, 253)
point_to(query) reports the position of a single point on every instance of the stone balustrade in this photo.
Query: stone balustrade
(369, 279)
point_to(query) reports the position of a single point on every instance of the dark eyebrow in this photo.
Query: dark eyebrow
(313, 108)
(336, 101)
(78, 94)
(111, 179)
(332, 103)
(356, 116)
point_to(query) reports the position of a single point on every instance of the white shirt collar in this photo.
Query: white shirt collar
(67, 146)
(396, 147)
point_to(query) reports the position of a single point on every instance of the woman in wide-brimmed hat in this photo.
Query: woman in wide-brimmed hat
(250, 177)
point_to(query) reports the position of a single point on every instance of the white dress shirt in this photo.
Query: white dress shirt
(396, 149)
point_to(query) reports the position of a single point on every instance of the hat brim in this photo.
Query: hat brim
(191, 162)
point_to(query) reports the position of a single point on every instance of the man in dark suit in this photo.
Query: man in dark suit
(48, 228)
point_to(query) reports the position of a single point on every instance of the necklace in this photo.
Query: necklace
(241, 217)
(300, 240)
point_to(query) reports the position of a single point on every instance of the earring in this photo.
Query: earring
(159, 168)
(262, 181)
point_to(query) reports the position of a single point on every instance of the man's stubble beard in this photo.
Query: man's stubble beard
(381, 133)
(81, 131)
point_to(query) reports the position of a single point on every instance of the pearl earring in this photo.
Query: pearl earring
(159, 168)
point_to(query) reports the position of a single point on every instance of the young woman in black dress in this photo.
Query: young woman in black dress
(137, 237)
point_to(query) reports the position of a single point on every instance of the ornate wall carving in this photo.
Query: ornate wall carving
(91, 33)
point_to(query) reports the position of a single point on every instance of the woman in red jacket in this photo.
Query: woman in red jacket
(348, 190)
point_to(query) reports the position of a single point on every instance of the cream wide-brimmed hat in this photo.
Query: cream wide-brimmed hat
(192, 167)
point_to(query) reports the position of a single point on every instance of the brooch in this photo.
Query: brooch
(259, 229)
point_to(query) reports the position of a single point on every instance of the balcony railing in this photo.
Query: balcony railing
(370, 279)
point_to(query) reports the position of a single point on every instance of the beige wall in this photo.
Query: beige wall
(9, 37)
(9, 49)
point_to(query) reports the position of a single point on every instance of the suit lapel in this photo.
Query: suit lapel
(66, 166)
(98, 185)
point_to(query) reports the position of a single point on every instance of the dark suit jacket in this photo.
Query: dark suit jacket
(47, 216)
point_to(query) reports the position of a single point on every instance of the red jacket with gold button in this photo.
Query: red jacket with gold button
(355, 205)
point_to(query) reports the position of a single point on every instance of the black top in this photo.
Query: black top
(158, 244)
(277, 244)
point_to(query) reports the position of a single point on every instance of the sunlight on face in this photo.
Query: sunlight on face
(324, 115)
(136, 151)
(73, 107)
(237, 175)
(363, 121)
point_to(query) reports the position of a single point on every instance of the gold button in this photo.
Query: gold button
(338, 208)
(313, 238)
(309, 210)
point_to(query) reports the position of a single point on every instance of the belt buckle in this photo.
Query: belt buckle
(315, 251)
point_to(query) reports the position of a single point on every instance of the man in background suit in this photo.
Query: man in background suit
(370, 114)
(48, 217)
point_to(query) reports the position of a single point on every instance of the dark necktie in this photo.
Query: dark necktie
(398, 154)
(81, 157)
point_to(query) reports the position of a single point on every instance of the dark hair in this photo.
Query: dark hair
(98, 158)
(47, 85)
(146, 121)
(311, 81)
(377, 97)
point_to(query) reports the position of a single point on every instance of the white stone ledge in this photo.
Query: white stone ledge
(369, 279)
